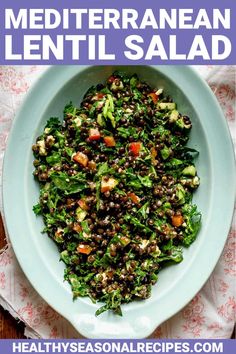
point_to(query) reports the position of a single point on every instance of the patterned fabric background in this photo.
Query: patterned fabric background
(212, 312)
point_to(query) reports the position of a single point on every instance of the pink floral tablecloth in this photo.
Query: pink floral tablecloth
(211, 314)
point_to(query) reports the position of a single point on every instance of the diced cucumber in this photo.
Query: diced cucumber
(180, 193)
(112, 119)
(65, 257)
(167, 105)
(111, 103)
(81, 214)
(174, 116)
(189, 171)
(100, 120)
(182, 125)
(78, 121)
(105, 108)
(165, 152)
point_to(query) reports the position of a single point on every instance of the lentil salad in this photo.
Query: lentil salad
(116, 184)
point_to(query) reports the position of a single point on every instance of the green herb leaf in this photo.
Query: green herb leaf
(37, 209)
(144, 210)
(53, 123)
(54, 158)
(69, 184)
(146, 181)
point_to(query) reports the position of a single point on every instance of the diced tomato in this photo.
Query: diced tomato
(108, 184)
(80, 214)
(154, 97)
(77, 227)
(92, 165)
(135, 199)
(111, 79)
(85, 249)
(109, 141)
(153, 152)
(94, 134)
(177, 220)
(83, 205)
(135, 148)
(100, 95)
(81, 158)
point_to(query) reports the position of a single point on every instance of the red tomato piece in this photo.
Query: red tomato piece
(100, 95)
(111, 79)
(94, 134)
(83, 205)
(85, 249)
(109, 141)
(77, 227)
(135, 148)
(177, 220)
(81, 158)
(154, 97)
(135, 199)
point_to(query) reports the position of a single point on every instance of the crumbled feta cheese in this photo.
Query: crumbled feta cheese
(78, 121)
(86, 235)
(144, 244)
(159, 92)
(42, 148)
(101, 276)
(50, 140)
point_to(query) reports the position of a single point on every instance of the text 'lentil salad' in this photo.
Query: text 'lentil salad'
(116, 183)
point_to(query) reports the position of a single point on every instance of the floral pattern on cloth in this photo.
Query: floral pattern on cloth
(210, 314)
